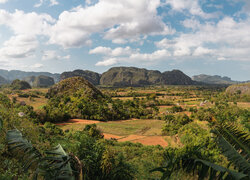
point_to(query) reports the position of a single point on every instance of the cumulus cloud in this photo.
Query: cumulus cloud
(3, 1)
(39, 4)
(135, 57)
(226, 40)
(119, 51)
(52, 55)
(199, 51)
(119, 20)
(51, 3)
(36, 66)
(191, 6)
(26, 23)
(20, 46)
(107, 62)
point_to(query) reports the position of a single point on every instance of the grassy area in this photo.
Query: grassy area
(124, 128)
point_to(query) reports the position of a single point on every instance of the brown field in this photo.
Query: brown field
(147, 132)
(244, 104)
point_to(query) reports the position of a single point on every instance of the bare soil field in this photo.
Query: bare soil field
(147, 132)
(78, 121)
(152, 140)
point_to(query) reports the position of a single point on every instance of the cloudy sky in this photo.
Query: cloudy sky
(195, 36)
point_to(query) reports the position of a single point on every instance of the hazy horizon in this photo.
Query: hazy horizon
(194, 36)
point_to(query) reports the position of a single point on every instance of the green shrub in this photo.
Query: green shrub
(174, 123)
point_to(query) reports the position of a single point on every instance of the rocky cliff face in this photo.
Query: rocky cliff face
(16, 74)
(213, 79)
(116, 76)
(91, 76)
(176, 77)
(131, 76)
(3, 80)
(40, 81)
(241, 89)
(20, 85)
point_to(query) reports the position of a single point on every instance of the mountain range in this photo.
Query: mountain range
(122, 76)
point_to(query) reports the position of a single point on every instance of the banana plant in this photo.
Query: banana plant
(234, 144)
(1, 124)
(53, 164)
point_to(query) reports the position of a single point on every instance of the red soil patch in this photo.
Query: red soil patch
(187, 113)
(152, 140)
(165, 106)
(78, 121)
(131, 137)
(110, 136)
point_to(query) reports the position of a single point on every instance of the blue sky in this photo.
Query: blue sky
(195, 36)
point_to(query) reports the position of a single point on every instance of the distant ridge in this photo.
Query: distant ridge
(91, 76)
(240, 89)
(123, 76)
(17, 74)
(208, 79)
(133, 76)
(3, 80)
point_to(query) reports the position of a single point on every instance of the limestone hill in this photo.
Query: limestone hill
(132, 76)
(16, 74)
(176, 77)
(73, 85)
(213, 79)
(91, 76)
(242, 89)
(20, 85)
(3, 80)
(40, 81)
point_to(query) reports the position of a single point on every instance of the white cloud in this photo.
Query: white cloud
(194, 24)
(119, 51)
(156, 55)
(3, 1)
(107, 62)
(226, 40)
(53, 3)
(52, 55)
(199, 51)
(119, 20)
(20, 46)
(101, 50)
(135, 57)
(26, 23)
(36, 66)
(39, 4)
(88, 2)
(192, 6)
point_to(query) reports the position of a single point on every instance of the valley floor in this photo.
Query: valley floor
(147, 132)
